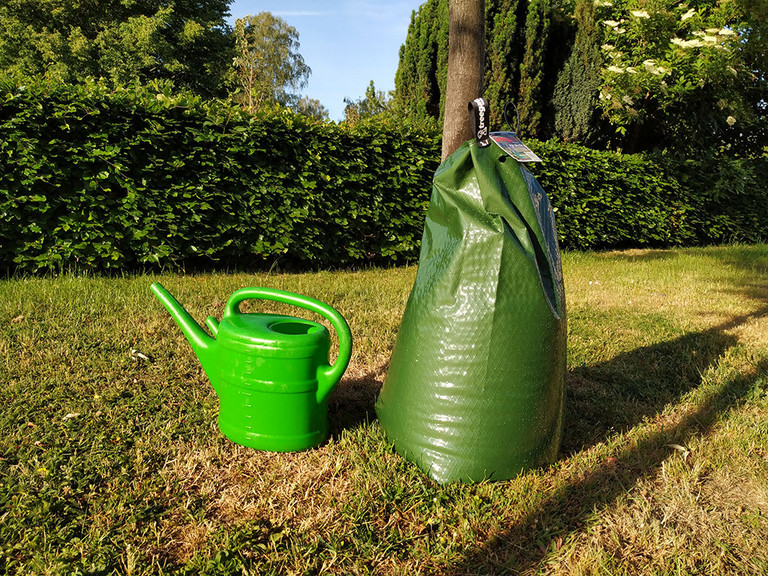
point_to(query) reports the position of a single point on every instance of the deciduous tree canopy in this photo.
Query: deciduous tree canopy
(374, 102)
(268, 64)
(121, 40)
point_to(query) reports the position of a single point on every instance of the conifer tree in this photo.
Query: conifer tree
(504, 37)
(421, 73)
(576, 93)
(530, 103)
(406, 79)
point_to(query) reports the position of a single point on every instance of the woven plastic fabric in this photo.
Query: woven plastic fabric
(475, 385)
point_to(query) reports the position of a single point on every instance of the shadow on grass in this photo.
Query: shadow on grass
(616, 395)
(601, 399)
(352, 403)
(674, 369)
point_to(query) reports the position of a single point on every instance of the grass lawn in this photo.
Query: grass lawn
(111, 460)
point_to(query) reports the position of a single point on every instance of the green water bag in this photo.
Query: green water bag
(476, 381)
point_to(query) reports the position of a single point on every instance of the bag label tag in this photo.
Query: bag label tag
(512, 145)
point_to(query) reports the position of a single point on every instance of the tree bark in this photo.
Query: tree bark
(466, 58)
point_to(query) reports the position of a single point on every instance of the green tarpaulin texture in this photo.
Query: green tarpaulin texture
(475, 384)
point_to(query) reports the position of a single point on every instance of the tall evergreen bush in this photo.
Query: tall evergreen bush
(505, 44)
(576, 91)
(530, 102)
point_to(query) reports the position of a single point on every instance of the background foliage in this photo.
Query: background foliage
(610, 200)
(635, 75)
(124, 41)
(639, 75)
(98, 179)
(268, 64)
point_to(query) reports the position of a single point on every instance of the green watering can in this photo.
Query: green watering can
(271, 372)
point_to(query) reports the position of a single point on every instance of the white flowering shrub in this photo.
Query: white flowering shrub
(665, 57)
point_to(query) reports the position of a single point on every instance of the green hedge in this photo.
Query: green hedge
(101, 180)
(609, 200)
(92, 179)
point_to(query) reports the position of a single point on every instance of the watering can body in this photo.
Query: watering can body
(271, 372)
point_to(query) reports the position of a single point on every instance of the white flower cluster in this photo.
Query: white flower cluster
(688, 14)
(615, 25)
(654, 69)
(709, 37)
(649, 65)
(695, 43)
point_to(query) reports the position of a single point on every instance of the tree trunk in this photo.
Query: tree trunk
(466, 56)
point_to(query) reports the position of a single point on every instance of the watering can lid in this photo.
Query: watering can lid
(273, 331)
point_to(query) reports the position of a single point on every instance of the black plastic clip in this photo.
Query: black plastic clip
(479, 114)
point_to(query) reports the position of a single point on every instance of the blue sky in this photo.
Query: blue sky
(347, 43)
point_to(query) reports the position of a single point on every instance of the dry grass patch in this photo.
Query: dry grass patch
(663, 468)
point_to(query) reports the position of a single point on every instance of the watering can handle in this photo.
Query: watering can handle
(328, 376)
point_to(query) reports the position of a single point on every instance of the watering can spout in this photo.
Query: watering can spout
(202, 344)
